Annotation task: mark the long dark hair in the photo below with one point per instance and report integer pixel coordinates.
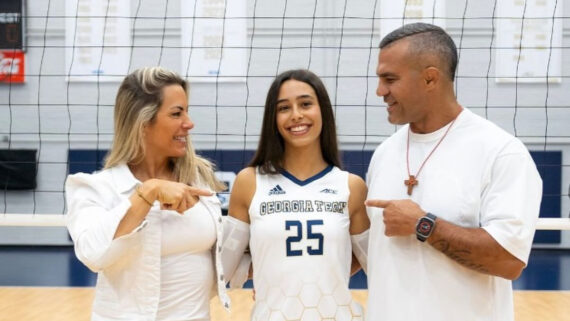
(269, 154)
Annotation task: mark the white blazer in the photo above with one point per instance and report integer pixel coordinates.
(128, 267)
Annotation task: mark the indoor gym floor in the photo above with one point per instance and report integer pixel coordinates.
(48, 283)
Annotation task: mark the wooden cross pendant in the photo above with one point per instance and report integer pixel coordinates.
(411, 182)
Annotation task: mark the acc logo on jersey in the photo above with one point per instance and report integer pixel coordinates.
(277, 190)
(329, 191)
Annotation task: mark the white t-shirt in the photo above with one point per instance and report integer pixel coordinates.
(479, 176)
(300, 247)
(187, 266)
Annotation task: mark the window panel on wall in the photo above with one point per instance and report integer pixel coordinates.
(98, 40)
(395, 13)
(214, 40)
(529, 41)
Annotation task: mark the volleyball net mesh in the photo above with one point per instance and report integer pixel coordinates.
(62, 62)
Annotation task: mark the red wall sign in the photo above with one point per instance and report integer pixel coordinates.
(11, 66)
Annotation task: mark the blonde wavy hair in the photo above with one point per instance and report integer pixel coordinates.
(137, 103)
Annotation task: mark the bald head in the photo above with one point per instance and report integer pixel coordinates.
(427, 43)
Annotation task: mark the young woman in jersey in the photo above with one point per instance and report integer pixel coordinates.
(148, 223)
(298, 209)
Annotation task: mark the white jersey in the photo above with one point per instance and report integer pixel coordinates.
(301, 249)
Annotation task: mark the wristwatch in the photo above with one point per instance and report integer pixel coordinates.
(425, 226)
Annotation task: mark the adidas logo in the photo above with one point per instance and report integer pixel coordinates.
(329, 191)
(277, 190)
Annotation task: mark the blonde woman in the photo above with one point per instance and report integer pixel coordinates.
(148, 223)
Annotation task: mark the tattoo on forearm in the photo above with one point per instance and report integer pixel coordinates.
(459, 256)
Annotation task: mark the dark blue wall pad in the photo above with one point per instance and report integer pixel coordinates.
(549, 164)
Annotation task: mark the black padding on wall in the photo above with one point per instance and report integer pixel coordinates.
(18, 169)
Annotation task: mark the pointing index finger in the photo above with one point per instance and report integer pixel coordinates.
(199, 192)
(376, 203)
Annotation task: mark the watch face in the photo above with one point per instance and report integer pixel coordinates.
(425, 226)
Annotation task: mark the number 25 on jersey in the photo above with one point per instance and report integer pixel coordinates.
(297, 226)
